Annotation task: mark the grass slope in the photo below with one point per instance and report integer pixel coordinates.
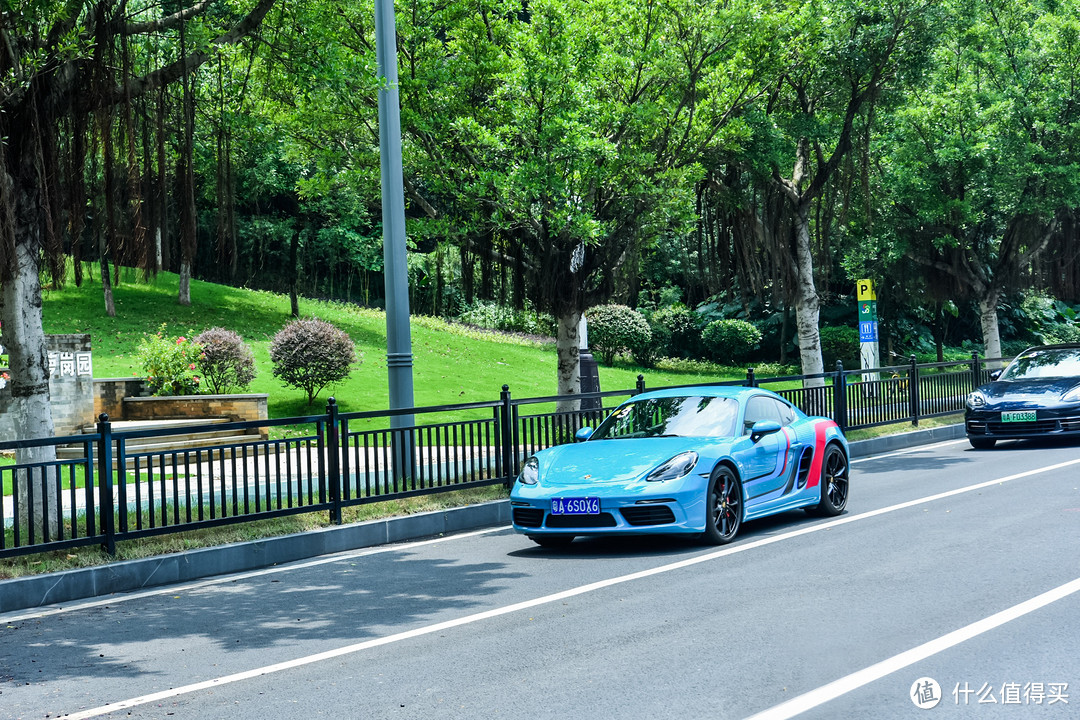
(451, 363)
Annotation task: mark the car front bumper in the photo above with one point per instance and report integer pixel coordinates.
(1054, 421)
(625, 509)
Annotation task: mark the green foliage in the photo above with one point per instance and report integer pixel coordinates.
(616, 328)
(170, 364)
(840, 342)
(681, 334)
(312, 354)
(729, 342)
(226, 361)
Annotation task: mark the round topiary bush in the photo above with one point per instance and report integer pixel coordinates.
(311, 354)
(729, 342)
(614, 329)
(226, 361)
(682, 333)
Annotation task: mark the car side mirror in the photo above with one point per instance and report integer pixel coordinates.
(762, 428)
(995, 375)
(583, 434)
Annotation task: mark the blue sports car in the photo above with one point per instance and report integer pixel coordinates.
(686, 460)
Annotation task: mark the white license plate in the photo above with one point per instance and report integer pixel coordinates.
(1018, 416)
(575, 506)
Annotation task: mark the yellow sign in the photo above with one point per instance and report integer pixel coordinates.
(866, 290)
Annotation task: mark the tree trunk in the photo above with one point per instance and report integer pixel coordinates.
(569, 369)
(294, 280)
(807, 303)
(991, 331)
(185, 282)
(30, 411)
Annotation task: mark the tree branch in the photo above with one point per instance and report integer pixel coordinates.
(137, 87)
(169, 22)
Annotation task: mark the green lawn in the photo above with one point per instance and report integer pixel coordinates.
(452, 364)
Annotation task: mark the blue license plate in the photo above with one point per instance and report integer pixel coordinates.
(575, 506)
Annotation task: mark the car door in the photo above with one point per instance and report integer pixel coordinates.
(762, 462)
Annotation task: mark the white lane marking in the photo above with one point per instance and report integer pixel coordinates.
(908, 451)
(298, 565)
(546, 599)
(833, 690)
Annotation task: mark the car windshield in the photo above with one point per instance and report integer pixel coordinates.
(1060, 362)
(687, 416)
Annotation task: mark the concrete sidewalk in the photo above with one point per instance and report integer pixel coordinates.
(126, 576)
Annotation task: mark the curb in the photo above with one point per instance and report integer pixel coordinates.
(888, 443)
(65, 586)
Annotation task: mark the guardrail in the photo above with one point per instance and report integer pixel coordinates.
(327, 462)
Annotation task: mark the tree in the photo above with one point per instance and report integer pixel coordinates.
(985, 160)
(574, 132)
(56, 72)
(845, 57)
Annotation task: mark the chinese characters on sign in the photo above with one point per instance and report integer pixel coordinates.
(1012, 693)
(70, 364)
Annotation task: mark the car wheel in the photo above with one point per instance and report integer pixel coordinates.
(982, 443)
(552, 541)
(834, 483)
(724, 507)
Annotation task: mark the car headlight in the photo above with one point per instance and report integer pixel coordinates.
(675, 468)
(1072, 396)
(976, 399)
(530, 472)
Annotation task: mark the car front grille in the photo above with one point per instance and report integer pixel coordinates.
(580, 521)
(528, 517)
(1023, 428)
(648, 515)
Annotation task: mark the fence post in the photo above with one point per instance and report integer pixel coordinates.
(751, 381)
(333, 473)
(976, 371)
(640, 385)
(105, 484)
(506, 435)
(840, 397)
(913, 385)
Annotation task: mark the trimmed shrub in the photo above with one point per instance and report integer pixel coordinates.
(682, 332)
(840, 342)
(616, 328)
(729, 342)
(226, 361)
(170, 364)
(311, 354)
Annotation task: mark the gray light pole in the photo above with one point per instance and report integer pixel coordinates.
(398, 336)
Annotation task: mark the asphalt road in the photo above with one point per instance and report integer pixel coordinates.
(950, 564)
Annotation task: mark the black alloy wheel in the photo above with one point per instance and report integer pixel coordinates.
(834, 483)
(724, 504)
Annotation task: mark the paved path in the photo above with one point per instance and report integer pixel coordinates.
(951, 564)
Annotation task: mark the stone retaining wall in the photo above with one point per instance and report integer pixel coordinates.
(109, 394)
(235, 407)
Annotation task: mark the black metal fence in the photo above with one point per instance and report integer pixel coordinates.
(120, 485)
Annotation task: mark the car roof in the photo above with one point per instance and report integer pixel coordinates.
(1058, 346)
(722, 391)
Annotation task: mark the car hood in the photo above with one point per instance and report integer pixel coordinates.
(1044, 390)
(610, 461)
